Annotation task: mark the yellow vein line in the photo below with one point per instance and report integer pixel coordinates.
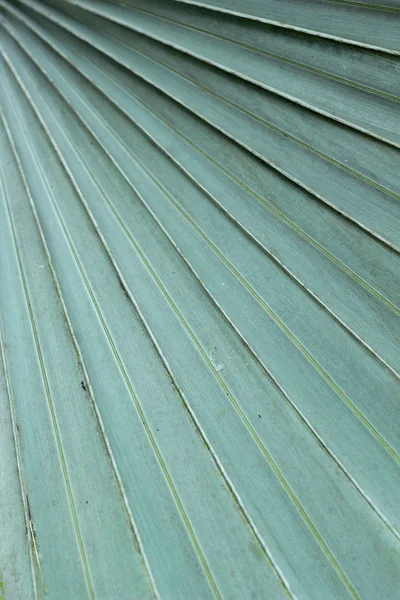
(361, 5)
(225, 316)
(251, 291)
(254, 294)
(33, 554)
(242, 110)
(244, 229)
(230, 485)
(228, 134)
(86, 377)
(271, 313)
(52, 410)
(160, 285)
(257, 82)
(304, 66)
(132, 393)
(224, 386)
(234, 402)
(285, 25)
(227, 172)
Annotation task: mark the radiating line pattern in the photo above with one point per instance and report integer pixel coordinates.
(200, 299)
